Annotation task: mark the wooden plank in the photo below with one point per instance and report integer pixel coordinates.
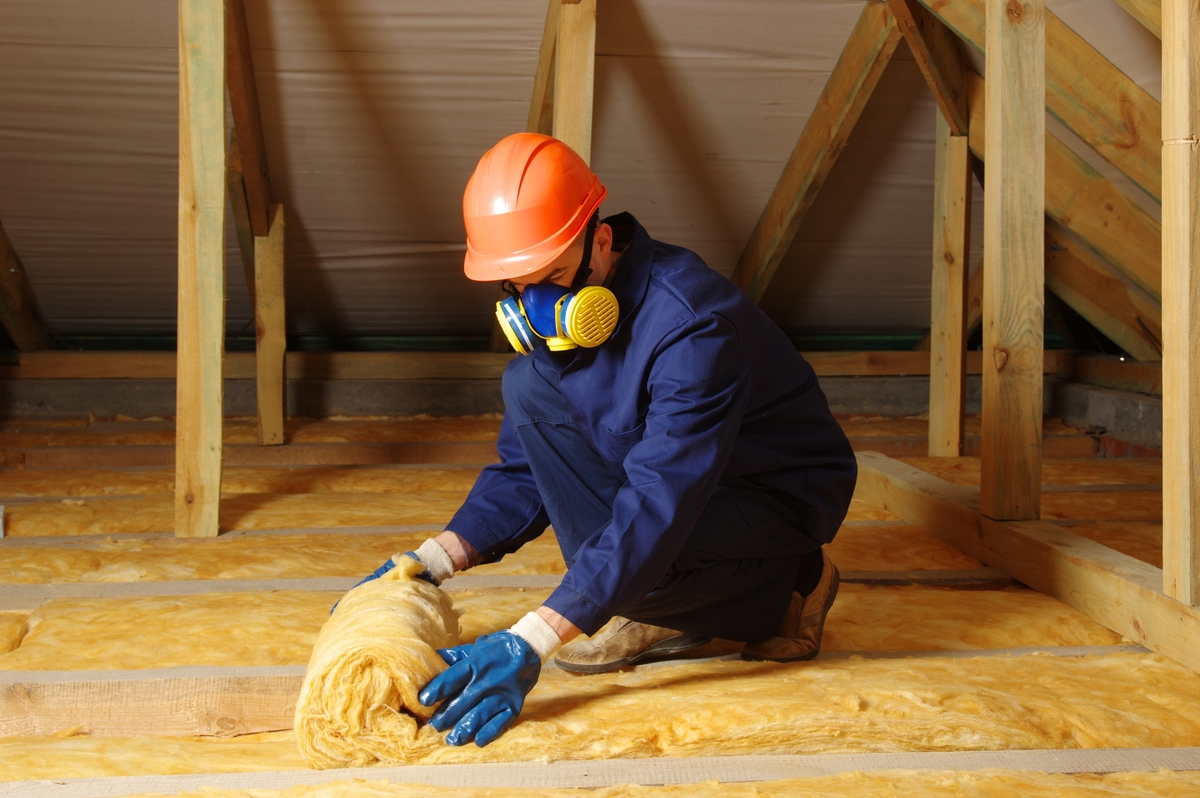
(247, 119)
(201, 322)
(270, 327)
(1077, 276)
(948, 330)
(1147, 12)
(574, 78)
(1181, 301)
(867, 53)
(1080, 199)
(235, 186)
(1112, 371)
(1114, 589)
(1085, 92)
(18, 312)
(167, 702)
(541, 105)
(1013, 260)
(935, 49)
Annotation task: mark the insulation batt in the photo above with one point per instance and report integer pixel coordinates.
(358, 702)
(882, 784)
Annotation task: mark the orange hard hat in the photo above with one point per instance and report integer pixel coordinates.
(528, 200)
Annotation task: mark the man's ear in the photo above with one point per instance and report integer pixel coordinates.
(603, 240)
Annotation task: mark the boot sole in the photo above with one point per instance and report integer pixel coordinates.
(833, 590)
(663, 649)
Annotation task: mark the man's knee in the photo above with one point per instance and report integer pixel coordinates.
(531, 396)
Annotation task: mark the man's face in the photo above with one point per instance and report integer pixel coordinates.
(560, 271)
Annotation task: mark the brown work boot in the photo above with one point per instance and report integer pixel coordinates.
(799, 635)
(624, 643)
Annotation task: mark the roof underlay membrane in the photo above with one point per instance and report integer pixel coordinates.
(375, 112)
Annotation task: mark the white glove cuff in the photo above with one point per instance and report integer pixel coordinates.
(540, 636)
(436, 560)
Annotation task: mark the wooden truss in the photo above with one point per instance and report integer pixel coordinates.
(18, 313)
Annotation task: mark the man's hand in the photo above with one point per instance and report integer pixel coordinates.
(484, 688)
(438, 565)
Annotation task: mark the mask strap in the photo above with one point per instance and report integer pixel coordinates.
(585, 269)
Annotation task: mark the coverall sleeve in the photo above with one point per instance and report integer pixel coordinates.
(698, 385)
(504, 508)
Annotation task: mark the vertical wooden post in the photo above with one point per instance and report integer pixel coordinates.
(270, 331)
(948, 330)
(1181, 300)
(1014, 259)
(574, 78)
(201, 347)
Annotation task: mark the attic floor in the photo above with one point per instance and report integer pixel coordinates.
(925, 651)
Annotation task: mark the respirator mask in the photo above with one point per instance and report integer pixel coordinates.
(564, 317)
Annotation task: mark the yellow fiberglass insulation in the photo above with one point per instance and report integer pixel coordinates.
(358, 702)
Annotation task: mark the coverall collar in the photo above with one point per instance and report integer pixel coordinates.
(633, 267)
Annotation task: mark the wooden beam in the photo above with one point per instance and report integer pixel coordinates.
(935, 49)
(1181, 301)
(1013, 260)
(1077, 276)
(867, 53)
(1111, 371)
(201, 322)
(948, 330)
(17, 311)
(247, 119)
(1147, 12)
(1085, 92)
(541, 105)
(1114, 589)
(235, 185)
(419, 365)
(270, 325)
(574, 79)
(1080, 199)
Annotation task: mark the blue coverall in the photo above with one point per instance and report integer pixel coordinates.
(688, 464)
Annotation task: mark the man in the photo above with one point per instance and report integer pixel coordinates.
(684, 454)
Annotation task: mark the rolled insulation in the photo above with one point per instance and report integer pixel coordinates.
(358, 703)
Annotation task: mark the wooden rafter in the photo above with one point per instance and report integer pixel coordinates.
(201, 347)
(1181, 302)
(867, 53)
(1085, 92)
(247, 120)
(17, 310)
(1081, 200)
(240, 208)
(935, 49)
(1147, 12)
(541, 105)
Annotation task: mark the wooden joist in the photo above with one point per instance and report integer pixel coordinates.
(17, 311)
(201, 339)
(1181, 301)
(867, 53)
(422, 365)
(948, 309)
(1084, 91)
(1111, 371)
(270, 332)
(1114, 589)
(1013, 260)
(935, 49)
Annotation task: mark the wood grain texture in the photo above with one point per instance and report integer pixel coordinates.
(18, 313)
(247, 119)
(178, 702)
(1013, 260)
(1080, 199)
(1181, 301)
(541, 105)
(574, 79)
(1147, 12)
(1085, 92)
(1114, 589)
(948, 317)
(270, 329)
(201, 336)
(935, 49)
(235, 186)
(867, 53)
(1113, 372)
(1079, 278)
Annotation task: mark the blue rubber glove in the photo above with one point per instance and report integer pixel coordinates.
(383, 569)
(484, 688)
